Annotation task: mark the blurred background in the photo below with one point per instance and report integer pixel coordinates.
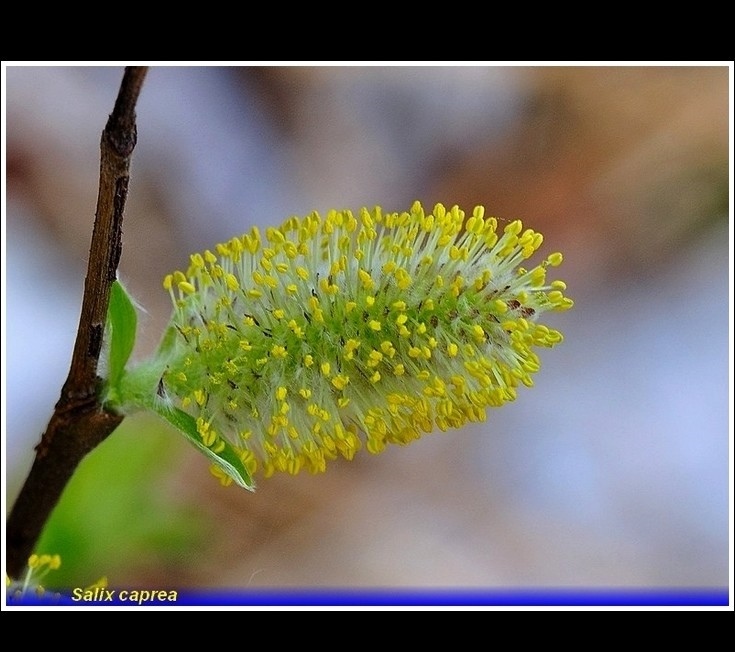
(611, 471)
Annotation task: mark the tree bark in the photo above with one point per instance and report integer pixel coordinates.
(79, 422)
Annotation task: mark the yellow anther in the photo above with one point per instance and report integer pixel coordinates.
(340, 381)
(278, 351)
(555, 259)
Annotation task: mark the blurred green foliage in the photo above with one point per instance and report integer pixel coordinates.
(119, 513)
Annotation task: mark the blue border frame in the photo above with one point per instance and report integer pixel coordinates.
(398, 597)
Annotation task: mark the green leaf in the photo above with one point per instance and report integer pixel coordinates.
(227, 459)
(122, 321)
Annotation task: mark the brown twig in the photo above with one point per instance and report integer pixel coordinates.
(79, 423)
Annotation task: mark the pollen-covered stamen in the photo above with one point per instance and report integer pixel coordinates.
(356, 329)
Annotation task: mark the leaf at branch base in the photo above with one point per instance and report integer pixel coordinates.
(122, 321)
